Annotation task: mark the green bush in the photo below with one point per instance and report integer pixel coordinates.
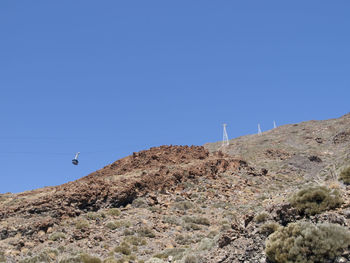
(305, 242)
(316, 199)
(345, 176)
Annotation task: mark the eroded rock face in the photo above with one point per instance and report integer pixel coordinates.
(159, 168)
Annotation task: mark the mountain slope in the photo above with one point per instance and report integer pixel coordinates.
(313, 148)
(179, 203)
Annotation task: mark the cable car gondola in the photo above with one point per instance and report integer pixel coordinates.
(75, 160)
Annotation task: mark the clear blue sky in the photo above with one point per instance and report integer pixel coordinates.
(108, 78)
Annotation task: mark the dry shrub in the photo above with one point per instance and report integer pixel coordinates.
(113, 212)
(57, 236)
(90, 259)
(81, 224)
(176, 253)
(94, 216)
(262, 217)
(316, 199)
(197, 220)
(124, 248)
(305, 242)
(184, 205)
(146, 232)
(136, 241)
(191, 259)
(269, 228)
(345, 176)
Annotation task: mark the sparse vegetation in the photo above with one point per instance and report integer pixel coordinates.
(113, 212)
(83, 258)
(136, 241)
(128, 232)
(2, 257)
(183, 239)
(345, 176)
(197, 220)
(225, 227)
(146, 232)
(57, 236)
(81, 224)
(94, 216)
(110, 260)
(176, 253)
(212, 234)
(118, 224)
(316, 199)
(140, 203)
(123, 248)
(184, 205)
(112, 225)
(191, 259)
(206, 244)
(171, 220)
(128, 258)
(155, 209)
(45, 256)
(305, 242)
(192, 226)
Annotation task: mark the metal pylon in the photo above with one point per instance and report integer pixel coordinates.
(225, 141)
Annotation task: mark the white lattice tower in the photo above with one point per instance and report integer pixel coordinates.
(259, 129)
(225, 141)
(274, 125)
